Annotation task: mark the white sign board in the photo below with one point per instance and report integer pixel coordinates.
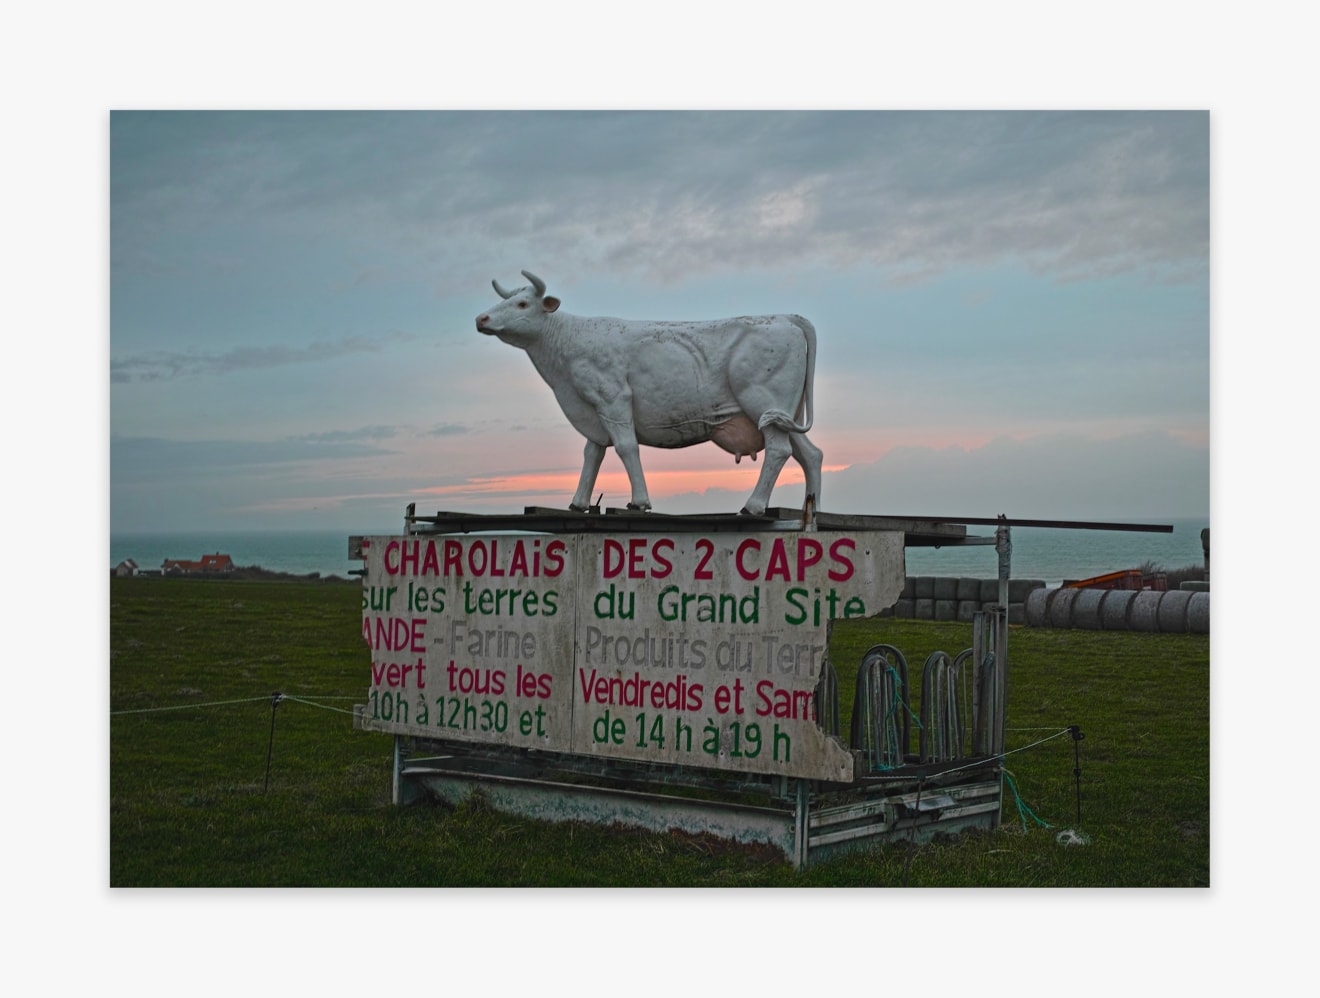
(685, 648)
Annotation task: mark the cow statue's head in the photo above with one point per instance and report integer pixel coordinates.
(520, 317)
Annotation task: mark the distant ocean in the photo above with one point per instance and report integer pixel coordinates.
(298, 552)
(1038, 553)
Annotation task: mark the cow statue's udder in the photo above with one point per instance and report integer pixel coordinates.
(740, 437)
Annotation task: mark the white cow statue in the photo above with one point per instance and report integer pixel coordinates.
(743, 383)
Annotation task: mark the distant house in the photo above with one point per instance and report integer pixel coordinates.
(209, 564)
(126, 567)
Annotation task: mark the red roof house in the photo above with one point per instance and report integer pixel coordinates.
(209, 563)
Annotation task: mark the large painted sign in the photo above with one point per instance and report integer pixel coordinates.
(689, 649)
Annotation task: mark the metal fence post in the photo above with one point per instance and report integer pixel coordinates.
(398, 769)
(801, 824)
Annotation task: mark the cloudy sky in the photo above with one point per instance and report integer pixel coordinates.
(1012, 307)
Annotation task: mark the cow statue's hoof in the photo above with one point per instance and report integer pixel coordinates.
(576, 508)
(639, 507)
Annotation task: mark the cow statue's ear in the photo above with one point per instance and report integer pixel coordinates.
(550, 303)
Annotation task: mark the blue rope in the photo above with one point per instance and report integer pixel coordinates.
(898, 685)
(890, 723)
(1023, 810)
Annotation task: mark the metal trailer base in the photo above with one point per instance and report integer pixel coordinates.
(805, 820)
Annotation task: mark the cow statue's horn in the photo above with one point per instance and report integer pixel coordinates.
(537, 283)
(500, 291)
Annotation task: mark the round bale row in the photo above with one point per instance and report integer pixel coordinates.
(944, 609)
(966, 590)
(1176, 611)
(929, 597)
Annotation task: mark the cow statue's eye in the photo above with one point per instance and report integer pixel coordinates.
(522, 304)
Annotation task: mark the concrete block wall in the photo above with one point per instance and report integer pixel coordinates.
(1177, 611)
(929, 597)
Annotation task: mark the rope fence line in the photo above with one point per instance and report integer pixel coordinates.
(189, 706)
(1023, 810)
(980, 761)
(1029, 729)
(309, 701)
(1073, 837)
(274, 699)
(1057, 734)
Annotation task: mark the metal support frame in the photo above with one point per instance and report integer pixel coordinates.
(801, 838)
(1004, 548)
(396, 791)
(806, 820)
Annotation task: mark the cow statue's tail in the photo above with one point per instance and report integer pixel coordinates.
(806, 408)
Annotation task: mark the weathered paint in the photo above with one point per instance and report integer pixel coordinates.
(471, 637)
(686, 649)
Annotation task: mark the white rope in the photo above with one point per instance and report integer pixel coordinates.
(982, 760)
(1028, 729)
(187, 706)
(313, 696)
(337, 710)
(222, 703)
(1051, 738)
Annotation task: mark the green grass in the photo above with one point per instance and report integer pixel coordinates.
(188, 806)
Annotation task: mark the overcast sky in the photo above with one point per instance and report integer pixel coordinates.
(1012, 307)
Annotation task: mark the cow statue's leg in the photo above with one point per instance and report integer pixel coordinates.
(767, 376)
(809, 456)
(625, 443)
(778, 446)
(592, 455)
(630, 455)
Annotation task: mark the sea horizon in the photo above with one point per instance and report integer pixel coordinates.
(1049, 554)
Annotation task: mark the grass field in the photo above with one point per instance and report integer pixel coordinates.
(194, 664)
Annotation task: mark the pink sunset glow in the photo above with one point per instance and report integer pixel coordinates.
(614, 483)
